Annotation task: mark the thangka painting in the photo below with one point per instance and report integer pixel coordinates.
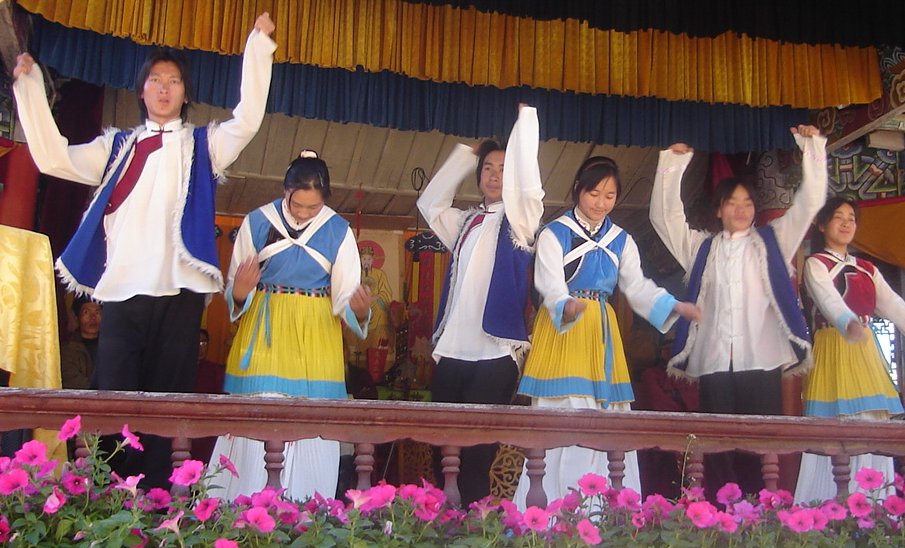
(866, 173)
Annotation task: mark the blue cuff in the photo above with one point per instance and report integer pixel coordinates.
(843, 320)
(231, 303)
(557, 317)
(661, 311)
(360, 329)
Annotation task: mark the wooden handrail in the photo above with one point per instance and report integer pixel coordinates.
(279, 419)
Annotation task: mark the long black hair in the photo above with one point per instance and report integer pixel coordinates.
(818, 239)
(165, 55)
(591, 172)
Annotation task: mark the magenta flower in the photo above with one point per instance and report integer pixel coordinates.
(657, 507)
(693, 494)
(381, 496)
(286, 512)
(187, 474)
(800, 521)
(4, 529)
(588, 532)
(571, 501)
(171, 524)
(702, 514)
(511, 516)
(74, 485)
(869, 479)
(819, 517)
(204, 509)
(225, 543)
(357, 498)
(260, 519)
(485, 506)
(409, 491)
(858, 505)
(228, 465)
(131, 440)
(833, 510)
(157, 499)
(428, 506)
(629, 499)
(898, 481)
(728, 494)
(54, 501)
(266, 497)
(129, 484)
(592, 484)
(13, 480)
(5, 462)
(536, 518)
(866, 523)
(772, 500)
(746, 511)
(638, 520)
(33, 453)
(895, 505)
(70, 428)
(727, 522)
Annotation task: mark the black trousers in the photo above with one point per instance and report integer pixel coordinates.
(484, 381)
(149, 344)
(741, 393)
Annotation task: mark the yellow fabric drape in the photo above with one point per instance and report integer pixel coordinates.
(448, 44)
(879, 224)
(29, 340)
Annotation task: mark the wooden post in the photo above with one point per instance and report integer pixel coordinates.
(536, 470)
(451, 463)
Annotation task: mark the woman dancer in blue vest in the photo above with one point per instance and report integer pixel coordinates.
(481, 329)
(851, 375)
(576, 359)
(295, 275)
(752, 328)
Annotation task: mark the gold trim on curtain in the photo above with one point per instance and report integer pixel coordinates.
(448, 44)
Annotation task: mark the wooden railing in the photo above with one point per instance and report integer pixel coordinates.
(451, 426)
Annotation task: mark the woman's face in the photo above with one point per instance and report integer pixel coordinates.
(839, 230)
(304, 204)
(491, 183)
(596, 204)
(737, 212)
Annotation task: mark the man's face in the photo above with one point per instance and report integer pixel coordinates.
(90, 320)
(164, 92)
(367, 261)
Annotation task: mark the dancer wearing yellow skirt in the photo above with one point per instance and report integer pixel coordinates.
(576, 359)
(850, 376)
(295, 276)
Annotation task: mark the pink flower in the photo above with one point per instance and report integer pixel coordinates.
(225, 543)
(74, 485)
(4, 463)
(130, 484)
(266, 497)
(629, 499)
(4, 529)
(228, 465)
(204, 509)
(172, 524)
(358, 498)
(484, 507)
(32, 452)
(131, 440)
(866, 523)
(858, 505)
(187, 474)
(657, 507)
(727, 522)
(638, 520)
(287, 512)
(772, 500)
(833, 510)
(899, 482)
(54, 501)
(869, 479)
(592, 484)
(693, 493)
(409, 491)
(70, 428)
(588, 532)
(260, 519)
(381, 496)
(12, 481)
(746, 511)
(512, 518)
(728, 494)
(536, 518)
(429, 504)
(46, 469)
(819, 517)
(895, 505)
(571, 501)
(702, 514)
(158, 499)
(800, 521)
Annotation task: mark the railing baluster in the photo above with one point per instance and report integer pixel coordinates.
(694, 469)
(81, 448)
(364, 464)
(769, 469)
(181, 452)
(273, 462)
(536, 470)
(616, 466)
(841, 473)
(451, 463)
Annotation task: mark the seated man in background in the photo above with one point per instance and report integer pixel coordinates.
(79, 353)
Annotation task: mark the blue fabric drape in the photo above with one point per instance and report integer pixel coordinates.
(391, 100)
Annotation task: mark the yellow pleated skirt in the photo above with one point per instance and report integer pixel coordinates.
(289, 344)
(574, 363)
(848, 378)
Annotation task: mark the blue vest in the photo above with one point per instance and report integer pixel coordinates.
(507, 296)
(783, 293)
(82, 263)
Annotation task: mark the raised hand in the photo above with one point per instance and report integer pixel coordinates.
(247, 277)
(265, 24)
(680, 148)
(24, 62)
(805, 131)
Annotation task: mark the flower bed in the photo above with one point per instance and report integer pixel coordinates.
(88, 505)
